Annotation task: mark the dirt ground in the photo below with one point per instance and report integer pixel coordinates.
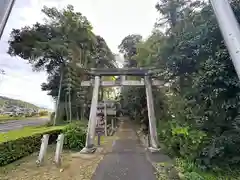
(74, 166)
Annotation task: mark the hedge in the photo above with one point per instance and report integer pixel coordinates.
(13, 150)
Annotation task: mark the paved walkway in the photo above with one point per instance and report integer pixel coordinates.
(128, 159)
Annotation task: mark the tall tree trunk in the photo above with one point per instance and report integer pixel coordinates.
(77, 115)
(82, 112)
(70, 106)
(59, 95)
(66, 107)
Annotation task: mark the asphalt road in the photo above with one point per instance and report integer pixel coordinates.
(18, 124)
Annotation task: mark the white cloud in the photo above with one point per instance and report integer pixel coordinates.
(113, 20)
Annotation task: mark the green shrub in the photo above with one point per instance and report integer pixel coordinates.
(191, 171)
(222, 151)
(75, 136)
(15, 149)
(182, 140)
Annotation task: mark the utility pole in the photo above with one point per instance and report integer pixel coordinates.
(230, 30)
(5, 10)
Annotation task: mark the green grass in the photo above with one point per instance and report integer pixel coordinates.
(5, 118)
(26, 131)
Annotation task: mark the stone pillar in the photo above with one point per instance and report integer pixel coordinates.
(89, 146)
(43, 149)
(151, 114)
(59, 148)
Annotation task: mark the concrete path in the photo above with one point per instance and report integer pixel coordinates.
(128, 159)
(18, 124)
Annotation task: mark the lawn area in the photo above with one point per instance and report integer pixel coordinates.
(4, 118)
(26, 131)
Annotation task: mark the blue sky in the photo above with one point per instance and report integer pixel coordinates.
(111, 19)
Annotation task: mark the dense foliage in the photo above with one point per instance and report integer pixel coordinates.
(199, 117)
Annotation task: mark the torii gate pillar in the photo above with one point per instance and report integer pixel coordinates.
(89, 146)
(151, 115)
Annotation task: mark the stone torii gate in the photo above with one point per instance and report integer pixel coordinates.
(96, 82)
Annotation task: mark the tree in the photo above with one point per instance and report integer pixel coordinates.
(129, 49)
(63, 41)
(50, 44)
(173, 11)
(104, 56)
